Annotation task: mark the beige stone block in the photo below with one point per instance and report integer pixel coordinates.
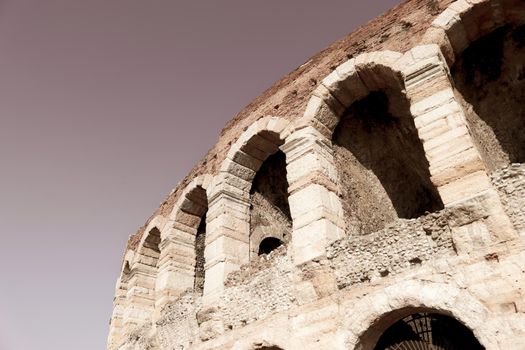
(318, 111)
(434, 129)
(309, 242)
(456, 167)
(470, 237)
(464, 188)
(436, 113)
(309, 198)
(446, 138)
(311, 163)
(447, 150)
(376, 69)
(231, 167)
(432, 102)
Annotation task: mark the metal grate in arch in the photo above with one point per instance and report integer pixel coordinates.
(428, 331)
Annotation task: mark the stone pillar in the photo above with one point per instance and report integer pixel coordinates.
(455, 164)
(314, 205)
(140, 295)
(176, 263)
(227, 233)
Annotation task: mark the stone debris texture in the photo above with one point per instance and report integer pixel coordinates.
(380, 182)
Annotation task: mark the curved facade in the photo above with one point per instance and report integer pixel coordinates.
(372, 199)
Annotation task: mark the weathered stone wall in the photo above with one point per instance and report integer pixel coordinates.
(178, 327)
(510, 182)
(401, 245)
(351, 165)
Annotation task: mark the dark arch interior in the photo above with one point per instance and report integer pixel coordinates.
(269, 209)
(428, 331)
(269, 244)
(383, 168)
(126, 272)
(196, 204)
(490, 76)
(151, 246)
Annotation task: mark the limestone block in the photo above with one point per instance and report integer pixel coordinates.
(435, 35)
(456, 167)
(376, 69)
(312, 197)
(318, 214)
(426, 105)
(229, 166)
(189, 220)
(318, 110)
(463, 188)
(447, 150)
(308, 164)
(177, 281)
(216, 275)
(446, 138)
(345, 84)
(246, 160)
(440, 112)
(310, 241)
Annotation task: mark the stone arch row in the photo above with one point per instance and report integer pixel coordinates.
(422, 74)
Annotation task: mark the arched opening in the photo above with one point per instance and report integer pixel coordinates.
(151, 251)
(430, 331)
(269, 244)
(269, 208)
(384, 173)
(490, 78)
(194, 208)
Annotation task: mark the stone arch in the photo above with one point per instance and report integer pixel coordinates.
(181, 264)
(362, 108)
(465, 21)
(373, 314)
(486, 50)
(141, 293)
(259, 235)
(227, 244)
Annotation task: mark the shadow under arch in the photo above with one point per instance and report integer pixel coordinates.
(383, 169)
(414, 328)
(378, 310)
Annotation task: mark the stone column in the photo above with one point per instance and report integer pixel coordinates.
(455, 164)
(314, 205)
(140, 295)
(176, 263)
(227, 233)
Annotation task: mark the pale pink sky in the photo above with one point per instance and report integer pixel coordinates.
(104, 106)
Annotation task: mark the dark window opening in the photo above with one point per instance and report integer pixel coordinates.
(269, 244)
(428, 331)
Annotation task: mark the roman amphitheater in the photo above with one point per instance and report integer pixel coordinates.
(374, 198)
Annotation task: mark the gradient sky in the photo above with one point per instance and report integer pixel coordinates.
(105, 105)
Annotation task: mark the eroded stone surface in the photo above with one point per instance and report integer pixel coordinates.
(395, 182)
